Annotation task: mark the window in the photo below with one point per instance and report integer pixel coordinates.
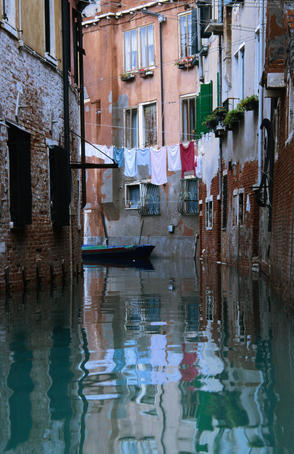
(188, 108)
(143, 197)
(8, 10)
(239, 75)
(150, 204)
(209, 213)
(132, 196)
(49, 28)
(149, 125)
(209, 305)
(238, 207)
(290, 106)
(257, 61)
(188, 202)
(20, 190)
(147, 46)
(139, 48)
(140, 126)
(131, 128)
(60, 186)
(225, 200)
(185, 34)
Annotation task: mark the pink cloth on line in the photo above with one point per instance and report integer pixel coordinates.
(158, 166)
(187, 158)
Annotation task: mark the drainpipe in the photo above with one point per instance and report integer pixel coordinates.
(161, 19)
(201, 77)
(82, 112)
(220, 85)
(65, 74)
(66, 68)
(260, 91)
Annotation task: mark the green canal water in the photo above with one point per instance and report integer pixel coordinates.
(174, 359)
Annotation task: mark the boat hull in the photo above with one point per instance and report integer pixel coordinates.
(100, 252)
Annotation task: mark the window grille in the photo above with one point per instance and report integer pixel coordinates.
(150, 202)
(188, 202)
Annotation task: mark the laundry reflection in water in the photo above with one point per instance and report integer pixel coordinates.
(175, 360)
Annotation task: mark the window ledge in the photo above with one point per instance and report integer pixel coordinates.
(9, 28)
(217, 28)
(51, 59)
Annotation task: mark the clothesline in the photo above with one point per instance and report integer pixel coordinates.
(180, 157)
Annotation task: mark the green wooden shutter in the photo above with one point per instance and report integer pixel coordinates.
(203, 108)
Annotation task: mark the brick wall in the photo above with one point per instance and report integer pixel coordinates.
(38, 251)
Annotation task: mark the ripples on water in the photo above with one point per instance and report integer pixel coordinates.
(177, 360)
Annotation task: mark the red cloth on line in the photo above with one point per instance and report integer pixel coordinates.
(187, 158)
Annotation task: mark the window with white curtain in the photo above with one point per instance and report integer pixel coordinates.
(185, 34)
(139, 48)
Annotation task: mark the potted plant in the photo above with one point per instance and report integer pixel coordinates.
(144, 72)
(127, 76)
(233, 118)
(249, 103)
(187, 62)
(220, 113)
(211, 121)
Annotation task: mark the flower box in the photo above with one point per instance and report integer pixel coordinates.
(187, 62)
(233, 118)
(144, 73)
(249, 103)
(127, 77)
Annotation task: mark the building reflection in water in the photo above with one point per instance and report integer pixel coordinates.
(163, 361)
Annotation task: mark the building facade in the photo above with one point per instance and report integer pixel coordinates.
(40, 226)
(141, 77)
(216, 73)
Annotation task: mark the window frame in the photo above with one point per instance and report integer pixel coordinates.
(49, 31)
(141, 128)
(189, 135)
(9, 17)
(185, 201)
(142, 201)
(131, 110)
(139, 63)
(149, 64)
(186, 53)
(127, 199)
(238, 221)
(239, 72)
(209, 213)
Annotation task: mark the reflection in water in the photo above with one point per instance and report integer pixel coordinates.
(19, 380)
(148, 361)
(61, 376)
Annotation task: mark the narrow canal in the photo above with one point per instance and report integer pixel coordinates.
(174, 359)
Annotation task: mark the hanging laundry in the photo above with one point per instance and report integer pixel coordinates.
(118, 156)
(187, 158)
(130, 162)
(108, 159)
(143, 158)
(199, 166)
(174, 158)
(158, 166)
